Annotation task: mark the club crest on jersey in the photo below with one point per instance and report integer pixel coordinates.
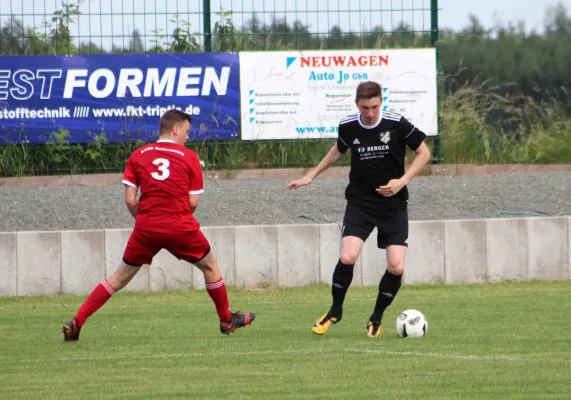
(385, 137)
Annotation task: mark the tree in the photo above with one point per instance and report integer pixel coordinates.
(12, 37)
(136, 45)
(557, 22)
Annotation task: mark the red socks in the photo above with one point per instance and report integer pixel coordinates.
(104, 291)
(219, 295)
(94, 302)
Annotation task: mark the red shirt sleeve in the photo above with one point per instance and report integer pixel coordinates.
(196, 181)
(129, 176)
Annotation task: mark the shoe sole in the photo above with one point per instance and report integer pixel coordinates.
(228, 333)
(315, 325)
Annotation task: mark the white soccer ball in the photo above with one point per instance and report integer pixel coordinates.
(412, 324)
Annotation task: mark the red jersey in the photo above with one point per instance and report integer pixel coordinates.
(166, 174)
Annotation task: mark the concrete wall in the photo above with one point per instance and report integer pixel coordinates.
(466, 251)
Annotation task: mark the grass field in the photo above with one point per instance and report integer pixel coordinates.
(491, 341)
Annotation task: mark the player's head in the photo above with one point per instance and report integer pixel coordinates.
(175, 125)
(368, 100)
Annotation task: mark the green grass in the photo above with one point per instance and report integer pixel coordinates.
(490, 341)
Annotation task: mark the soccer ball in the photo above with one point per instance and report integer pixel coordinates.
(412, 324)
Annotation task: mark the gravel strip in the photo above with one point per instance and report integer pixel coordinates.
(266, 201)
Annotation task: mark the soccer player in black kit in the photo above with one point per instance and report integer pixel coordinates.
(376, 196)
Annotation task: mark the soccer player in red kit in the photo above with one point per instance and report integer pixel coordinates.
(169, 176)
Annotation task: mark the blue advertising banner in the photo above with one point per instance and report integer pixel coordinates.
(118, 97)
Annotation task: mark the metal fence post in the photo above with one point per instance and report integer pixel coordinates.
(434, 43)
(206, 14)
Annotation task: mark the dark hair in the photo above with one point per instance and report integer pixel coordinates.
(368, 90)
(171, 118)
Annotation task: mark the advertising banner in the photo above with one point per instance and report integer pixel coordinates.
(302, 95)
(117, 97)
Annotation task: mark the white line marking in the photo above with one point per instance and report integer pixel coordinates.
(437, 355)
(82, 357)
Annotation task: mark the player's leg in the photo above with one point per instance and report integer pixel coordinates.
(393, 236)
(351, 247)
(215, 285)
(194, 248)
(216, 289)
(357, 227)
(139, 251)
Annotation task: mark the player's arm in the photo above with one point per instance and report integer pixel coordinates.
(196, 182)
(131, 199)
(414, 139)
(131, 182)
(194, 198)
(337, 151)
(422, 156)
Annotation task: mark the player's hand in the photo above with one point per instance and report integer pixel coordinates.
(306, 180)
(390, 189)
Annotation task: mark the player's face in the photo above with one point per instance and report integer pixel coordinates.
(370, 110)
(181, 132)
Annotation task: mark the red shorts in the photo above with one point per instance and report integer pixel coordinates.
(144, 245)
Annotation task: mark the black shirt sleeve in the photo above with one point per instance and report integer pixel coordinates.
(413, 136)
(342, 139)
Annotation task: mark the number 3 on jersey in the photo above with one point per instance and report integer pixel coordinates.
(164, 172)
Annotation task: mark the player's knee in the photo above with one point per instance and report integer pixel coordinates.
(208, 263)
(122, 276)
(348, 258)
(396, 267)
(208, 267)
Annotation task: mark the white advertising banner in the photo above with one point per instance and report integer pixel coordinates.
(303, 95)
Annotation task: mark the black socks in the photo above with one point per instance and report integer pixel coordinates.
(342, 277)
(388, 289)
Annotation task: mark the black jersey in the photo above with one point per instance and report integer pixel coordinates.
(377, 156)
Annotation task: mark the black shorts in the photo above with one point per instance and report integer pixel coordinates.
(390, 230)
